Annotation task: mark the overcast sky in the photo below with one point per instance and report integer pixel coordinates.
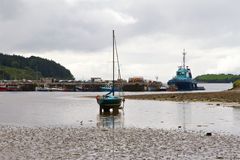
(151, 35)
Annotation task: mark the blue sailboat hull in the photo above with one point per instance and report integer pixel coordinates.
(109, 101)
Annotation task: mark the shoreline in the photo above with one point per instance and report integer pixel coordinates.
(99, 143)
(231, 97)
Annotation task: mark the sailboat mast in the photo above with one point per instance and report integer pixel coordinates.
(113, 62)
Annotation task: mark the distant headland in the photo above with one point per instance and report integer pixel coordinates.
(18, 67)
(217, 78)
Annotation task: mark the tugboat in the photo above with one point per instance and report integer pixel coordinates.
(183, 80)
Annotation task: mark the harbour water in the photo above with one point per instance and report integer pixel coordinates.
(76, 109)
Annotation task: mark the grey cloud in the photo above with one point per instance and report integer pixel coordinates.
(205, 21)
(9, 10)
(56, 25)
(83, 25)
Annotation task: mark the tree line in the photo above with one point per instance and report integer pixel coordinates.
(217, 78)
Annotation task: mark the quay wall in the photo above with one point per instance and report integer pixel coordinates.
(81, 86)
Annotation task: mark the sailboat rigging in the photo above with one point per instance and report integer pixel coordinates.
(110, 100)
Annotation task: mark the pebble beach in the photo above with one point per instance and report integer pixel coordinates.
(101, 143)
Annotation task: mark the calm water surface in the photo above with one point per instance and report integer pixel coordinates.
(63, 108)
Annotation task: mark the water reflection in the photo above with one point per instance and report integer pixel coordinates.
(236, 117)
(110, 120)
(58, 108)
(184, 115)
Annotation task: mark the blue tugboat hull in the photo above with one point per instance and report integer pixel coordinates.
(183, 85)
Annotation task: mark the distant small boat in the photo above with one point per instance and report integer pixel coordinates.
(108, 88)
(163, 88)
(41, 89)
(105, 89)
(110, 100)
(9, 87)
(3, 87)
(46, 89)
(154, 86)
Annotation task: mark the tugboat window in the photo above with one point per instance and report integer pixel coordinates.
(179, 73)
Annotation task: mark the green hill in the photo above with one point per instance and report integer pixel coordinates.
(19, 67)
(217, 78)
(236, 84)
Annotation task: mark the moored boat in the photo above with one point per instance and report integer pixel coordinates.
(9, 87)
(107, 101)
(110, 100)
(50, 89)
(3, 87)
(183, 80)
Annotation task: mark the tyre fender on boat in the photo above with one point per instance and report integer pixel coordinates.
(97, 97)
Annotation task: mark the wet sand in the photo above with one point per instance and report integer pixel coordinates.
(224, 96)
(93, 143)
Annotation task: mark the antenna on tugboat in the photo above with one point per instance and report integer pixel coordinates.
(184, 60)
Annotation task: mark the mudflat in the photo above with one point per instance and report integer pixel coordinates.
(232, 96)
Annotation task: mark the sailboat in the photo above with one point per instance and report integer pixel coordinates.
(110, 100)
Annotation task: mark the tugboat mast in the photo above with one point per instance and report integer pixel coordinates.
(184, 60)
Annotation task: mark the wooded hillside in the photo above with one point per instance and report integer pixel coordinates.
(19, 67)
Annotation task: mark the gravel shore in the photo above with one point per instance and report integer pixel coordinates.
(93, 143)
